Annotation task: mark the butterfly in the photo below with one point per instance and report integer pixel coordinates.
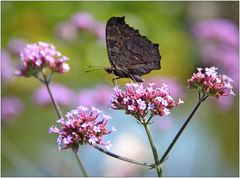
(130, 54)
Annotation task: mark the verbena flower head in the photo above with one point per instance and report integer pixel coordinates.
(82, 126)
(138, 100)
(40, 55)
(209, 82)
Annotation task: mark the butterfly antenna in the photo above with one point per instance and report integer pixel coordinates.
(90, 66)
(92, 70)
(96, 68)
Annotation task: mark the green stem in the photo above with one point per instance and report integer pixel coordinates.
(122, 158)
(47, 82)
(154, 150)
(80, 164)
(181, 130)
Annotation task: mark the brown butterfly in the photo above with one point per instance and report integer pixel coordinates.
(130, 54)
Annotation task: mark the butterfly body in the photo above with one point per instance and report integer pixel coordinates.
(123, 73)
(130, 54)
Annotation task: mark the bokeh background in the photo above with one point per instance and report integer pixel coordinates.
(190, 35)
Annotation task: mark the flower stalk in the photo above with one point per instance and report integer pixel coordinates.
(47, 82)
(56, 107)
(201, 99)
(80, 164)
(154, 150)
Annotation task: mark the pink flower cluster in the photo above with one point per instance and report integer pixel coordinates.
(39, 55)
(209, 82)
(81, 127)
(138, 100)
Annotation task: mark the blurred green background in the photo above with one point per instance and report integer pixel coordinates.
(208, 147)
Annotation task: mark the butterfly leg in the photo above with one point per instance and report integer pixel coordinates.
(114, 80)
(135, 78)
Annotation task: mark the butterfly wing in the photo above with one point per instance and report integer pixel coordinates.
(128, 50)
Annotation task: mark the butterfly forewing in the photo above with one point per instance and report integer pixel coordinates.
(128, 50)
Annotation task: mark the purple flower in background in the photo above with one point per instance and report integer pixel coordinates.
(67, 31)
(11, 107)
(218, 43)
(225, 103)
(164, 123)
(16, 45)
(62, 94)
(78, 22)
(83, 21)
(174, 85)
(7, 69)
(99, 31)
(99, 96)
(219, 30)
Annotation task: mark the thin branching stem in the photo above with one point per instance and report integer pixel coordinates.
(149, 118)
(122, 158)
(201, 99)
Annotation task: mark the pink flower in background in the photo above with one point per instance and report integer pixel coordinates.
(99, 31)
(39, 55)
(98, 96)
(82, 126)
(219, 30)
(209, 82)
(225, 103)
(7, 69)
(83, 20)
(62, 94)
(67, 31)
(138, 100)
(174, 85)
(164, 123)
(10, 107)
(218, 43)
(16, 45)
